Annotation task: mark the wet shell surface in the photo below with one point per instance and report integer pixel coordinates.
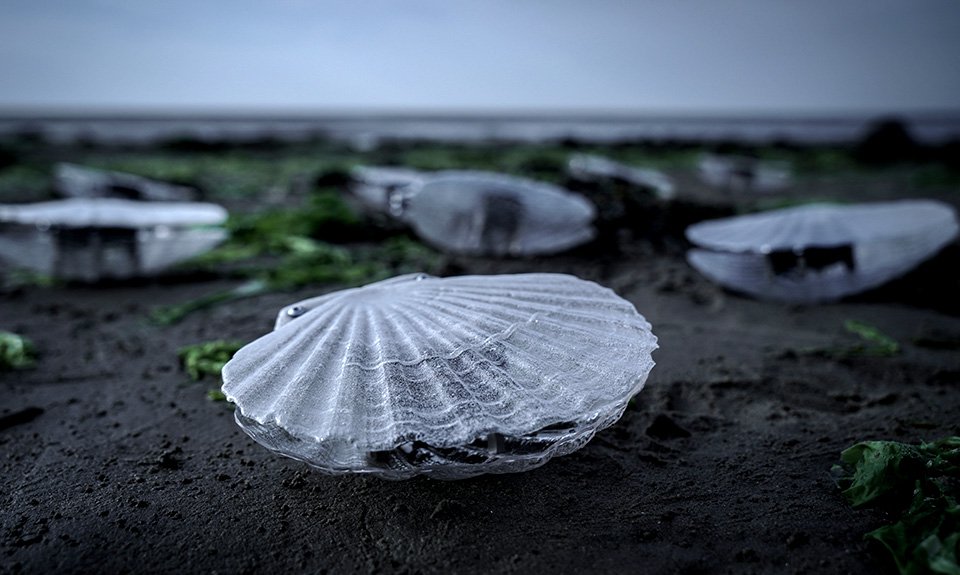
(484, 213)
(820, 252)
(447, 377)
(94, 239)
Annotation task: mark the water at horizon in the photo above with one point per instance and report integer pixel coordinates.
(367, 131)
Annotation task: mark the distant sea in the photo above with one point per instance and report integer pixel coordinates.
(368, 130)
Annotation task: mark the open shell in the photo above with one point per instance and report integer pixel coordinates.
(820, 252)
(448, 377)
(93, 239)
(483, 213)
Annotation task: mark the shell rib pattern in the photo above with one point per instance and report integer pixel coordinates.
(449, 377)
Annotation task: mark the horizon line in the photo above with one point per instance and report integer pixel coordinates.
(128, 112)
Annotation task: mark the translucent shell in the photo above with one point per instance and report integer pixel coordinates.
(483, 213)
(93, 239)
(381, 189)
(597, 168)
(447, 377)
(73, 181)
(820, 252)
(744, 173)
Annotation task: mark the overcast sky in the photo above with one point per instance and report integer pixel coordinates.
(435, 55)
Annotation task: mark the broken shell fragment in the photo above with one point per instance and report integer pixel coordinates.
(101, 238)
(820, 252)
(446, 377)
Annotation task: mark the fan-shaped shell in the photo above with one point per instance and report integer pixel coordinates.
(820, 252)
(450, 377)
(483, 213)
(92, 239)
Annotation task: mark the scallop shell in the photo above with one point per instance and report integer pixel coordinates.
(93, 239)
(381, 189)
(74, 181)
(597, 168)
(820, 252)
(744, 173)
(483, 213)
(446, 377)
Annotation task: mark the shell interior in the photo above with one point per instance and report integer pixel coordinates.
(450, 377)
(820, 252)
(94, 239)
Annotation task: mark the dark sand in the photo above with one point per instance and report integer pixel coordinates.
(112, 461)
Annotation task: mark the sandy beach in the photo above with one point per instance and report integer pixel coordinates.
(113, 460)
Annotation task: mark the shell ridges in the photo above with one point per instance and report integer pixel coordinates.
(370, 370)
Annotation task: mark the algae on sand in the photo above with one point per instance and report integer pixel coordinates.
(16, 351)
(920, 485)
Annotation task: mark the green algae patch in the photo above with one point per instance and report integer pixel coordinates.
(918, 485)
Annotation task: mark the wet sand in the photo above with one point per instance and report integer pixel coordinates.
(112, 460)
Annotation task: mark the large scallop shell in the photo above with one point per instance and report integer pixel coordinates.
(484, 213)
(820, 252)
(93, 239)
(447, 377)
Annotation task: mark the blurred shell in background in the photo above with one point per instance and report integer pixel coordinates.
(73, 181)
(448, 377)
(93, 239)
(380, 188)
(484, 213)
(591, 168)
(820, 252)
(744, 173)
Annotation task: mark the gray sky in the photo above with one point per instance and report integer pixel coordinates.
(435, 55)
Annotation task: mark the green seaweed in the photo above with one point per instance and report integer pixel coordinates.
(876, 343)
(214, 394)
(207, 358)
(919, 485)
(310, 262)
(16, 351)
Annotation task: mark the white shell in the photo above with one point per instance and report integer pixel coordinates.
(483, 213)
(744, 173)
(93, 239)
(74, 181)
(820, 252)
(448, 377)
(381, 189)
(592, 168)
